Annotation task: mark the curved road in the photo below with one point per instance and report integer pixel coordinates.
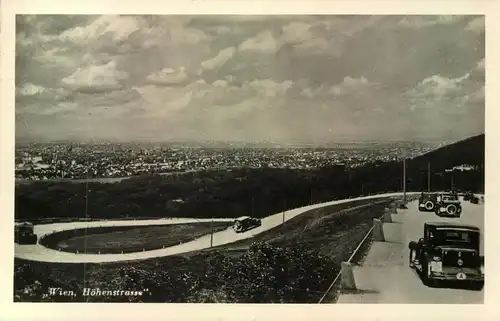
(43, 254)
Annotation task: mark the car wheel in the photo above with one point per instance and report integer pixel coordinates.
(411, 258)
(478, 285)
(451, 209)
(429, 205)
(426, 273)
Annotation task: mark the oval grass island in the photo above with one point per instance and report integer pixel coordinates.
(128, 239)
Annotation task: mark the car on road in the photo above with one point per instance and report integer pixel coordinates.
(448, 251)
(23, 233)
(427, 202)
(245, 223)
(468, 196)
(448, 204)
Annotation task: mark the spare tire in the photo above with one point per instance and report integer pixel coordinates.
(429, 205)
(451, 209)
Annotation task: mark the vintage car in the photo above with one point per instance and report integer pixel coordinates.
(23, 233)
(468, 196)
(427, 202)
(245, 223)
(448, 204)
(475, 199)
(450, 252)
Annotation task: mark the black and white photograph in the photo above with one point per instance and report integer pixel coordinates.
(270, 159)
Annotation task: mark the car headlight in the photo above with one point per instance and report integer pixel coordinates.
(482, 269)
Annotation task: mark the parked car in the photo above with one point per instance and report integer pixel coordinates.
(245, 223)
(448, 251)
(23, 233)
(427, 202)
(448, 204)
(475, 199)
(468, 196)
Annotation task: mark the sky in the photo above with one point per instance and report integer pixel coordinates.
(249, 78)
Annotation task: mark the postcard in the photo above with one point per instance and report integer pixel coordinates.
(255, 157)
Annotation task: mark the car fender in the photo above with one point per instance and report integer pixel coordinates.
(413, 245)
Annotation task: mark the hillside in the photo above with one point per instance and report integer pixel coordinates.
(470, 151)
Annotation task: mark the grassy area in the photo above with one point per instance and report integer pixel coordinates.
(136, 238)
(321, 227)
(301, 262)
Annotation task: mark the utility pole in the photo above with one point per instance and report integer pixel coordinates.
(253, 206)
(404, 182)
(428, 176)
(212, 232)
(482, 178)
(284, 210)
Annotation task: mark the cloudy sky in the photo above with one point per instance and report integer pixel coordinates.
(278, 78)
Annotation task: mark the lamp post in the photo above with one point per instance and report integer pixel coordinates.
(403, 206)
(428, 176)
(212, 232)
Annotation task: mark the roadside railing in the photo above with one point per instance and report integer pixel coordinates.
(382, 218)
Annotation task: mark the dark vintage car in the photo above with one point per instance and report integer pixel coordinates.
(427, 202)
(23, 233)
(450, 252)
(448, 204)
(245, 223)
(468, 196)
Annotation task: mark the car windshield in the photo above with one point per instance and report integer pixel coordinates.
(449, 198)
(454, 236)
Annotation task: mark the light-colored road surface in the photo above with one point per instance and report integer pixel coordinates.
(40, 253)
(385, 277)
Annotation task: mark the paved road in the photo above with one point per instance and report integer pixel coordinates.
(385, 276)
(40, 253)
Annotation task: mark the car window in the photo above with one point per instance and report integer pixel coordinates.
(449, 237)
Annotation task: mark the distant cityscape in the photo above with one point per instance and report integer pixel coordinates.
(49, 161)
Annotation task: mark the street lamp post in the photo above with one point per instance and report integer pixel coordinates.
(403, 206)
(212, 232)
(429, 177)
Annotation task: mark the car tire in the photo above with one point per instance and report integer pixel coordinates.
(451, 209)
(477, 286)
(425, 274)
(410, 259)
(429, 205)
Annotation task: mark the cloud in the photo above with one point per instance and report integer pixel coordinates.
(317, 46)
(162, 101)
(270, 88)
(350, 86)
(438, 87)
(60, 108)
(168, 76)
(29, 89)
(419, 22)
(34, 98)
(296, 32)
(264, 42)
(115, 27)
(249, 77)
(96, 78)
(220, 83)
(218, 61)
(476, 25)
